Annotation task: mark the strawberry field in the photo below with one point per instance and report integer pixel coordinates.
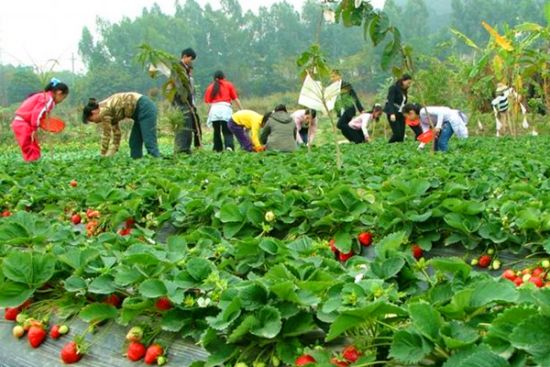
(272, 260)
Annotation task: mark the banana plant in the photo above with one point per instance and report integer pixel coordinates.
(513, 58)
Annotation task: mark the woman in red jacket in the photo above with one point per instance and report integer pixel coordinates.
(28, 116)
(219, 95)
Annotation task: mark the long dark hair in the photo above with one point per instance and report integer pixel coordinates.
(218, 75)
(88, 109)
(400, 81)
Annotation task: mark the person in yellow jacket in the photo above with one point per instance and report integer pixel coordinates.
(243, 122)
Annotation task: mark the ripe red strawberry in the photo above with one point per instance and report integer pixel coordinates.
(345, 257)
(136, 351)
(537, 272)
(153, 352)
(536, 281)
(518, 281)
(73, 183)
(332, 244)
(70, 353)
(484, 261)
(113, 300)
(36, 336)
(11, 313)
(509, 274)
(304, 359)
(54, 332)
(125, 231)
(417, 252)
(6, 213)
(338, 363)
(76, 219)
(365, 239)
(163, 304)
(351, 354)
(130, 222)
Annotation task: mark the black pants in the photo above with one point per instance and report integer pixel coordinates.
(343, 123)
(398, 129)
(197, 133)
(355, 136)
(220, 127)
(188, 129)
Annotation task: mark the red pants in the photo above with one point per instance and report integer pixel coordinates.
(27, 139)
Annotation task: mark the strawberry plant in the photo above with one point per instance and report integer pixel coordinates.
(292, 260)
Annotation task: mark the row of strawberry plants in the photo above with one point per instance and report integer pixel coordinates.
(266, 301)
(252, 276)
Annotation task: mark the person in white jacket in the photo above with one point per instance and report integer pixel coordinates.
(444, 120)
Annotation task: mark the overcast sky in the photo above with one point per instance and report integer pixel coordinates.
(32, 32)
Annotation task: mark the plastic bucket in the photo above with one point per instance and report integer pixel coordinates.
(426, 137)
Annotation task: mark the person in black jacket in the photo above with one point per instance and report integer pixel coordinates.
(191, 125)
(347, 105)
(397, 99)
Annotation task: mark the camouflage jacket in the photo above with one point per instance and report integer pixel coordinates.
(112, 110)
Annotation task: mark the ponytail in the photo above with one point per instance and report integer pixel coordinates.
(218, 75)
(88, 109)
(56, 85)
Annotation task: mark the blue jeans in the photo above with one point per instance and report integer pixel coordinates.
(304, 135)
(442, 142)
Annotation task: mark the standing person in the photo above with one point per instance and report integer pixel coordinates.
(279, 131)
(306, 126)
(190, 122)
(357, 128)
(27, 117)
(397, 99)
(245, 121)
(347, 104)
(118, 107)
(447, 122)
(219, 95)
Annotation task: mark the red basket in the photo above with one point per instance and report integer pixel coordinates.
(52, 124)
(426, 137)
